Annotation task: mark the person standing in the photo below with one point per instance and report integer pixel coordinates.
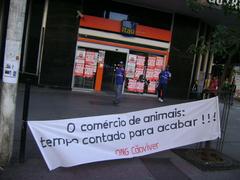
(119, 79)
(232, 90)
(163, 79)
(213, 87)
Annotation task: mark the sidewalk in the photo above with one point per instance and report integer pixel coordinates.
(53, 104)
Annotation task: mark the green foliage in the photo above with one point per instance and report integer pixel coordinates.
(227, 6)
(229, 9)
(194, 5)
(200, 48)
(225, 40)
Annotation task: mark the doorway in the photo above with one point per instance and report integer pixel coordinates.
(111, 60)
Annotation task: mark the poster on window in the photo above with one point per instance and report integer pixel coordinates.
(101, 56)
(96, 56)
(159, 61)
(156, 73)
(151, 61)
(140, 61)
(80, 56)
(89, 71)
(78, 70)
(132, 85)
(152, 87)
(130, 71)
(138, 72)
(90, 58)
(131, 64)
(150, 74)
(140, 87)
(132, 59)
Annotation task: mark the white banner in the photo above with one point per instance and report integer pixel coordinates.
(69, 142)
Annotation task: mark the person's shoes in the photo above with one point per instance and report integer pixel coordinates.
(160, 99)
(115, 102)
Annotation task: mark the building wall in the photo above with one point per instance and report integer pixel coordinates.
(141, 15)
(60, 43)
(184, 34)
(61, 36)
(33, 33)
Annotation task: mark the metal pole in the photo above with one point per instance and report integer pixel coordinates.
(224, 128)
(26, 39)
(1, 21)
(194, 62)
(24, 123)
(41, 42)
(12, 56)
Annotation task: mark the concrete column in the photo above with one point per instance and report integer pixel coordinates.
(209, 71)
(205, 62)
(10, 77)
(200, 57)
(199, 62)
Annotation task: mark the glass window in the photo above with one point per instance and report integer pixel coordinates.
(118, 16)
(142, 72)
(85, 68)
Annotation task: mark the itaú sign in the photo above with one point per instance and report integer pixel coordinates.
(128, 28)
(233, 3)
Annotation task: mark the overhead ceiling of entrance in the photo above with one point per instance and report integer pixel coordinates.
(211, 16)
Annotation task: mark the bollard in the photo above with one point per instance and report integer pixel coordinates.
(24, 121)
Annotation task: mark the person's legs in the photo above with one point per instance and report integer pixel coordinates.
(231, 98)
(163, 91)
(160, 93)
(118, 93)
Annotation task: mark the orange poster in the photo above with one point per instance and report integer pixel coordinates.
(132, 85)
(140, 87)
(138, 72)
(90, 58)
(150, 74)
(78, 70)
(89, 71)
(152, 87)
(156, 73)
(140, 61)
(160, 61)
(151, 61)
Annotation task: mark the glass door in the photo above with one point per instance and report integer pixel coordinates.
(94, 65)
(112, 58)
(85, 68)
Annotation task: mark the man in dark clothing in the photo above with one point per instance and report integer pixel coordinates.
(119, 79)
(163, 79)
